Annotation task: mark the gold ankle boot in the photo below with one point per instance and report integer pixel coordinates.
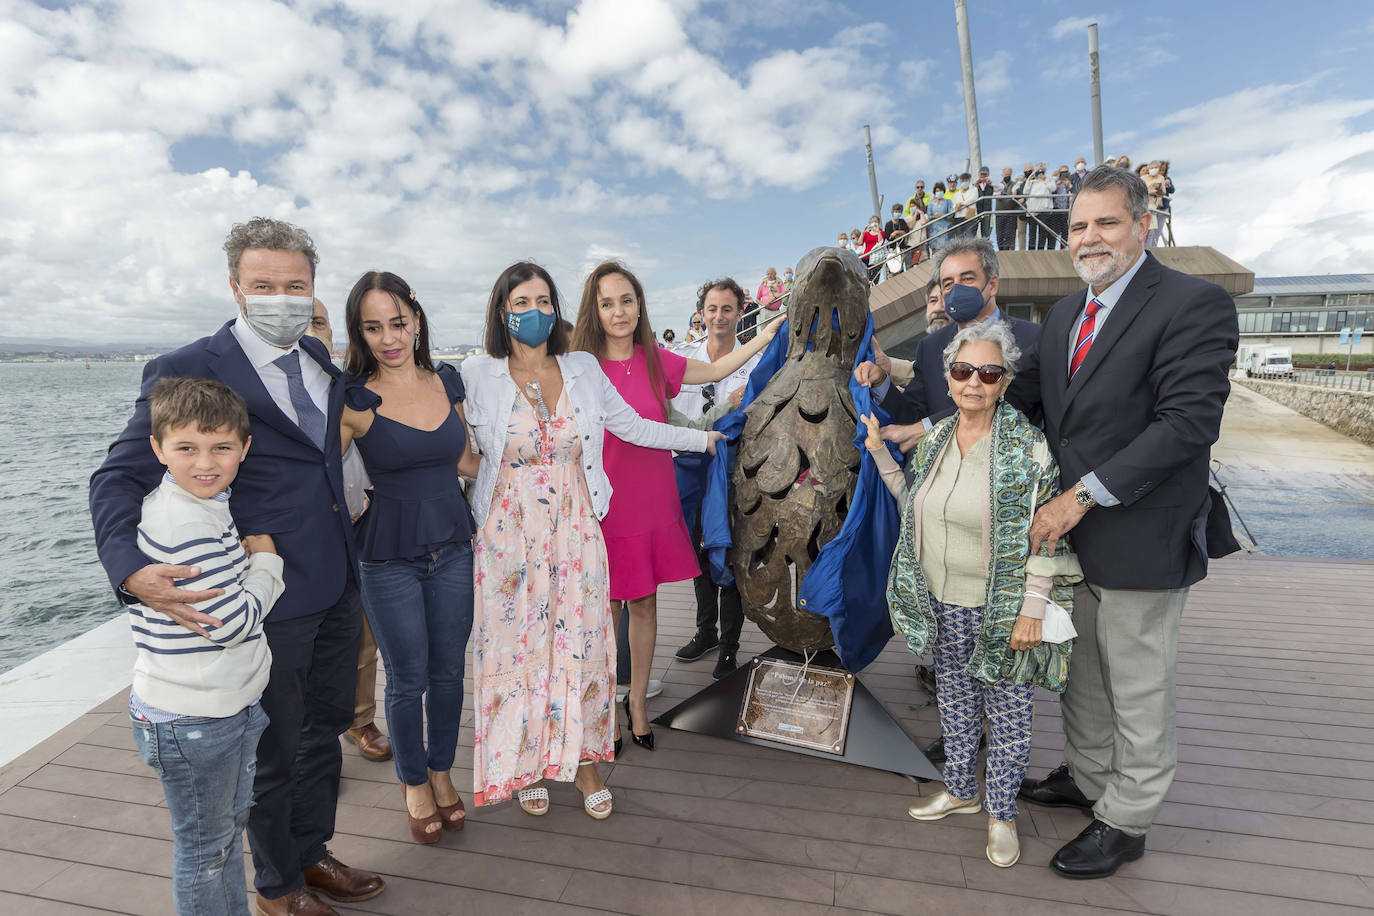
(942, 804)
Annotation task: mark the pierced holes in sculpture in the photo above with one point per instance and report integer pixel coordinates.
(765, 553)
(813, 544)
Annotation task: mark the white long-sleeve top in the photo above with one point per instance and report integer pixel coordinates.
(596, 405)
(177, 670)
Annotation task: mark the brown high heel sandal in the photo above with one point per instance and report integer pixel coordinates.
(446, 813)
(419, 831)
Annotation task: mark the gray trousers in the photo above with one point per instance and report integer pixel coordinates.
(1121, 745)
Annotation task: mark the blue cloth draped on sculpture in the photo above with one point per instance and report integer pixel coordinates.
(847, 583)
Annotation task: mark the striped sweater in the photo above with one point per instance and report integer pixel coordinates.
(183, 672)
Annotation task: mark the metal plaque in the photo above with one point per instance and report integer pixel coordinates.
(802, 705)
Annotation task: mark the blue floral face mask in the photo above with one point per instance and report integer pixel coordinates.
(531, 328)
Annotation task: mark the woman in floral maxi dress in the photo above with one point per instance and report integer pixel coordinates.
(544, 648)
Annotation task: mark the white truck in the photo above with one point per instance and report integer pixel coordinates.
(1263, 361)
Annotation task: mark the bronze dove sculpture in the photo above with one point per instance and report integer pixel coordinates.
(796, 466)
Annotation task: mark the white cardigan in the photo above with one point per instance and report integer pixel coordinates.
(597, 407)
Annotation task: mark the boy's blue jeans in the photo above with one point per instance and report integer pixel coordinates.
(206, 768)
(421, 614)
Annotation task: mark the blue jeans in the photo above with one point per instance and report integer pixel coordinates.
(420, 609)
(206, 768)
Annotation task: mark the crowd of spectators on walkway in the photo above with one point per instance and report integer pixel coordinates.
(1022, 212)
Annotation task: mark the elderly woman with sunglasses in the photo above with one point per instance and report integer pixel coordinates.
(964, 585)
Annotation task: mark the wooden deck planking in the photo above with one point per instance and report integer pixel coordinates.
(1272, 807)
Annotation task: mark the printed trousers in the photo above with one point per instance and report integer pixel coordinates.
(963, 702)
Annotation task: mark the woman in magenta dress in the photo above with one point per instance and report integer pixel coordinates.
(647, 541)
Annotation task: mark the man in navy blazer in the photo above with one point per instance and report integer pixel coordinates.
(1131, 375)
(291, 487)
(970, 262)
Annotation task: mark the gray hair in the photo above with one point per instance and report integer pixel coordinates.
(998, 332)
(980, 246)
(1107, 177)
(272, 234)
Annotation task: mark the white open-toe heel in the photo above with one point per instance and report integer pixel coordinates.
(527, 798)
(596, 798)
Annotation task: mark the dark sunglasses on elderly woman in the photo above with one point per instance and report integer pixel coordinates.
(988, 375)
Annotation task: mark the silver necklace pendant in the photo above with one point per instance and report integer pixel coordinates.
(536, 394)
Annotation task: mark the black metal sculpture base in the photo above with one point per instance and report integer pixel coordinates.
(875, 739)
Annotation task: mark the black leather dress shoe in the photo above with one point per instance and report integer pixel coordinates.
(1097, 852)
(1057, 790)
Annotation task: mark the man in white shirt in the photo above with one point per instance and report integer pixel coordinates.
(720, 303)
(965, 207)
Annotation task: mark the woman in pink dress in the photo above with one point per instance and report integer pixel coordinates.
(647, 541)
(771, 291)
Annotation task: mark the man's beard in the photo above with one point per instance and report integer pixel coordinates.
(1106, 274)
(936, 323)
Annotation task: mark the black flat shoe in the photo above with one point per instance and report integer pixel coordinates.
(644, 741)
(725, 664)
(935, 750)
(700, 644)
(1097, 852)
(1056, 790)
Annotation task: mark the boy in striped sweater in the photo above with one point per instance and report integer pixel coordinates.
(194, 704)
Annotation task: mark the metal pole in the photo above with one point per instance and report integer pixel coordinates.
(1095, 87)
(975, 150)
(872, 175)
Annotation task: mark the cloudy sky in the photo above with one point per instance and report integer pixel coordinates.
(444, 139)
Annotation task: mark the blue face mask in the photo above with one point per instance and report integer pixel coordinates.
(531, 328)
(963, 303)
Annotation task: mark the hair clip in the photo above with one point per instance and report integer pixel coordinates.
(413, 297)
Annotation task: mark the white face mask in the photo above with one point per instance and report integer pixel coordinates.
(279, 320)
(1080, 167)
(1153, 172)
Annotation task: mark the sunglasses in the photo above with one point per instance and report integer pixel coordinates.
(988, 375)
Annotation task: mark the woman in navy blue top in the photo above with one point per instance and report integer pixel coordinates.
(415, 540)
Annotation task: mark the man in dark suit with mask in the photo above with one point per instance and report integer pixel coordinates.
(968, 276)
(1131, 376)
(290, 486)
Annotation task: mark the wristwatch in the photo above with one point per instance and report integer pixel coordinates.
(1084, 495)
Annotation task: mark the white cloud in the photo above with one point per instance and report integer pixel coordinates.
(1266, 176)
(441, 140)
(992, 74)
(1076, 25)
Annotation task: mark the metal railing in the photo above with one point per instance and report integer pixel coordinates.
(1050, 229)
(1358, 380)
(881, 259)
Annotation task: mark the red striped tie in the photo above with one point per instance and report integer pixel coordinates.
(1085, 336)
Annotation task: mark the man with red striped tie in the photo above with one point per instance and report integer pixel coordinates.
(1131, 375)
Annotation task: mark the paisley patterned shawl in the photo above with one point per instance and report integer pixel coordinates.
(1019, 463)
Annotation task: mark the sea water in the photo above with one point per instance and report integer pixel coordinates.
(58, 419)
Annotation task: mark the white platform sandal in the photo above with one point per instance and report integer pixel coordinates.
(527, 798)
(596, 798)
